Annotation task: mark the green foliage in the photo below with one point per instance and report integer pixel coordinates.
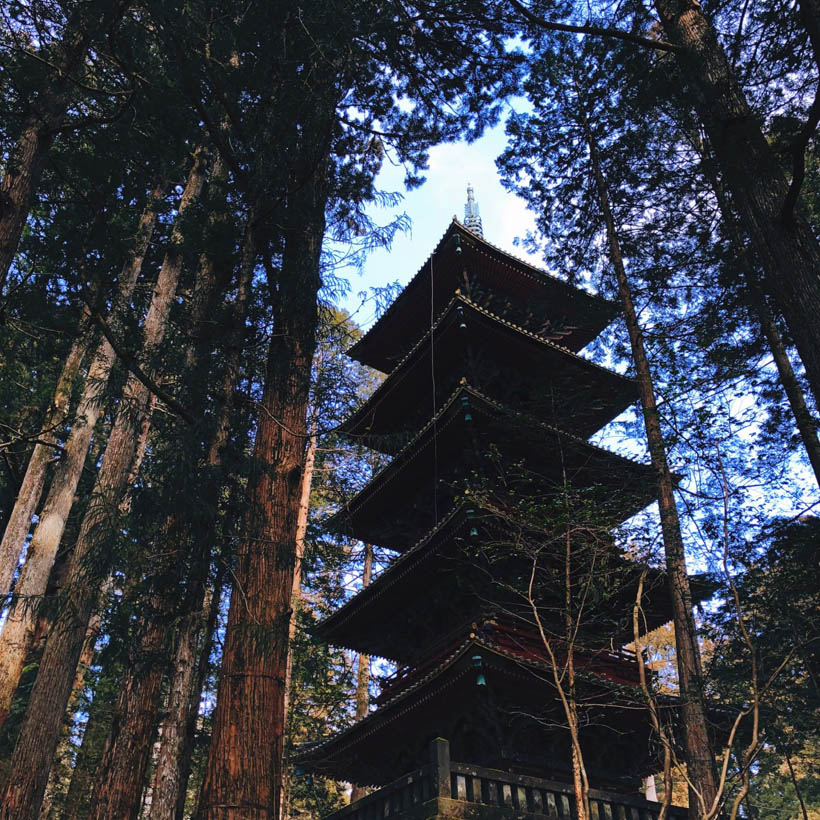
(777, 586)
(277, 90)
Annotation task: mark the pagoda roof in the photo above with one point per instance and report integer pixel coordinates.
(387, 618)
(409, 495)
(421, 710)
(580, 316)
(501, 359)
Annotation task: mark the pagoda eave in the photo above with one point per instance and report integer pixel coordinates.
(376, 621)
(504, 362)
(394, 333)
(366, 753)
(422, 482)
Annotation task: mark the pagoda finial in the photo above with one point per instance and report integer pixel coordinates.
(472, 220)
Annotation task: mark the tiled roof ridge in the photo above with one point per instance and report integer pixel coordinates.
(537, 270)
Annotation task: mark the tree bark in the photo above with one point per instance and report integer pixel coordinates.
(89, 564)
(806, 425)
(185, 685)
(786, 247)
(301, 532)
(699, 755)
(122, 772)
(243, 778)
(98, 721)
(296, 594)
(182, 761)
(810, 18)
(194, 640)
(31, 488)
(45, 541)
(64, 747)
(85, 25)
(363, 672)
(117, 786)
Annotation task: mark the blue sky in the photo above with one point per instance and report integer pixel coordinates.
(431, 208)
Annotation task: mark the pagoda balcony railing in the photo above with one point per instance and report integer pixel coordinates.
(458, 790)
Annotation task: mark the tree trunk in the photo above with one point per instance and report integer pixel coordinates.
(791, 386)
(89, 564)
(699, 755)
(182, 762)
(363, 672)
(296, 594)
(45, 542)
(184, 688)
(122, 772)
(98, 722)
(120, 776)
(63, 753)
(301, 532)
(31, 488)
(810, 18)
(25, 162)
(243, 776)
(187, 679)
(786, 247)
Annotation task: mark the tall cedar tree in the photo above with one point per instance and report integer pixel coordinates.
(122, 771)
(184, 684)
(48, 532)
(700, 760)
(563, 115)
(321, 164)
(44, 108)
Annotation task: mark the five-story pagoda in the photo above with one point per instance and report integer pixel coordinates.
(508, 597)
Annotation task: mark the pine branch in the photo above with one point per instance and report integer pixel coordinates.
(130, 361)
(801, 142)
(600, 31)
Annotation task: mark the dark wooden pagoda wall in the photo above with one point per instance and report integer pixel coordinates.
(512, 417)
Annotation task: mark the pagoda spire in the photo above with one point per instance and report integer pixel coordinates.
(472, 219)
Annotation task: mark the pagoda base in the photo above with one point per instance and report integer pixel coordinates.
(446, 790)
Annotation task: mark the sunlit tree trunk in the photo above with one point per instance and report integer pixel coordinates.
(44, 452)
(45, 541)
